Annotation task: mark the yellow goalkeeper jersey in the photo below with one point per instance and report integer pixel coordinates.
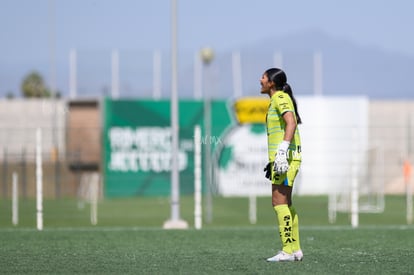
(280, 103)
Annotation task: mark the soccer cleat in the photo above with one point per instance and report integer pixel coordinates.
(298, 255)
(282, 257)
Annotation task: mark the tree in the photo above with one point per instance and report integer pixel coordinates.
(34, 86)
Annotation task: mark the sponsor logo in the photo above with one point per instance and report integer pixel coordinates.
(146, 149)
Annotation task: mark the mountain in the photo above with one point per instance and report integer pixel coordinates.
(347, 68)
(352, 69)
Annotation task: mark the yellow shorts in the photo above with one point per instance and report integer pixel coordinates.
(287, 178)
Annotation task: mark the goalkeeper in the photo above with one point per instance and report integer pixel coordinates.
(284, 159)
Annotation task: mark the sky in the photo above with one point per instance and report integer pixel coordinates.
(33, 29)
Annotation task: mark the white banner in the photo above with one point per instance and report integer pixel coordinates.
(334, 137)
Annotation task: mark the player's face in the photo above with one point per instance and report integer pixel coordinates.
(265, 84)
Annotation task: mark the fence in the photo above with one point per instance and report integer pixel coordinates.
(379, 137)
(146, 74)
(80, 143)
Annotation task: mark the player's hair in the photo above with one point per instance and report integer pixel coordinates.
(278, 77)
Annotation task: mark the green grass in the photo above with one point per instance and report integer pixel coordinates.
(234, 250)
(129, 240)
(152, 212)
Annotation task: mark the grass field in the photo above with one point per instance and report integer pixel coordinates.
(129, 240)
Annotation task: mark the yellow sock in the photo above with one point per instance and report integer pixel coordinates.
(284, 218)
(295, 229)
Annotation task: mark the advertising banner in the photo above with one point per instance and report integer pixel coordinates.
(242, 154)
(137, 146)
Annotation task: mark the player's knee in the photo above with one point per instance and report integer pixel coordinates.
(279, 200)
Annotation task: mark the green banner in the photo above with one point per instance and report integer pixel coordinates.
(137, 144)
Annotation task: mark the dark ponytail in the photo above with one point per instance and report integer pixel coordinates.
(278, 77)
(287, 89)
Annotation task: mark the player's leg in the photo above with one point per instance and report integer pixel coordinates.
(297, 251)
(280, 200)
(281, 194)
(294, 168)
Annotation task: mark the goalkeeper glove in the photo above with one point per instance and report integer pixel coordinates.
(268, 170)
(281, 164)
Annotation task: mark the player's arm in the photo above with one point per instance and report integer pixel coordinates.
(281, 164)
(290, 128)
(285, 108)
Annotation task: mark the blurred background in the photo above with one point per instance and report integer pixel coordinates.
(94, 78)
